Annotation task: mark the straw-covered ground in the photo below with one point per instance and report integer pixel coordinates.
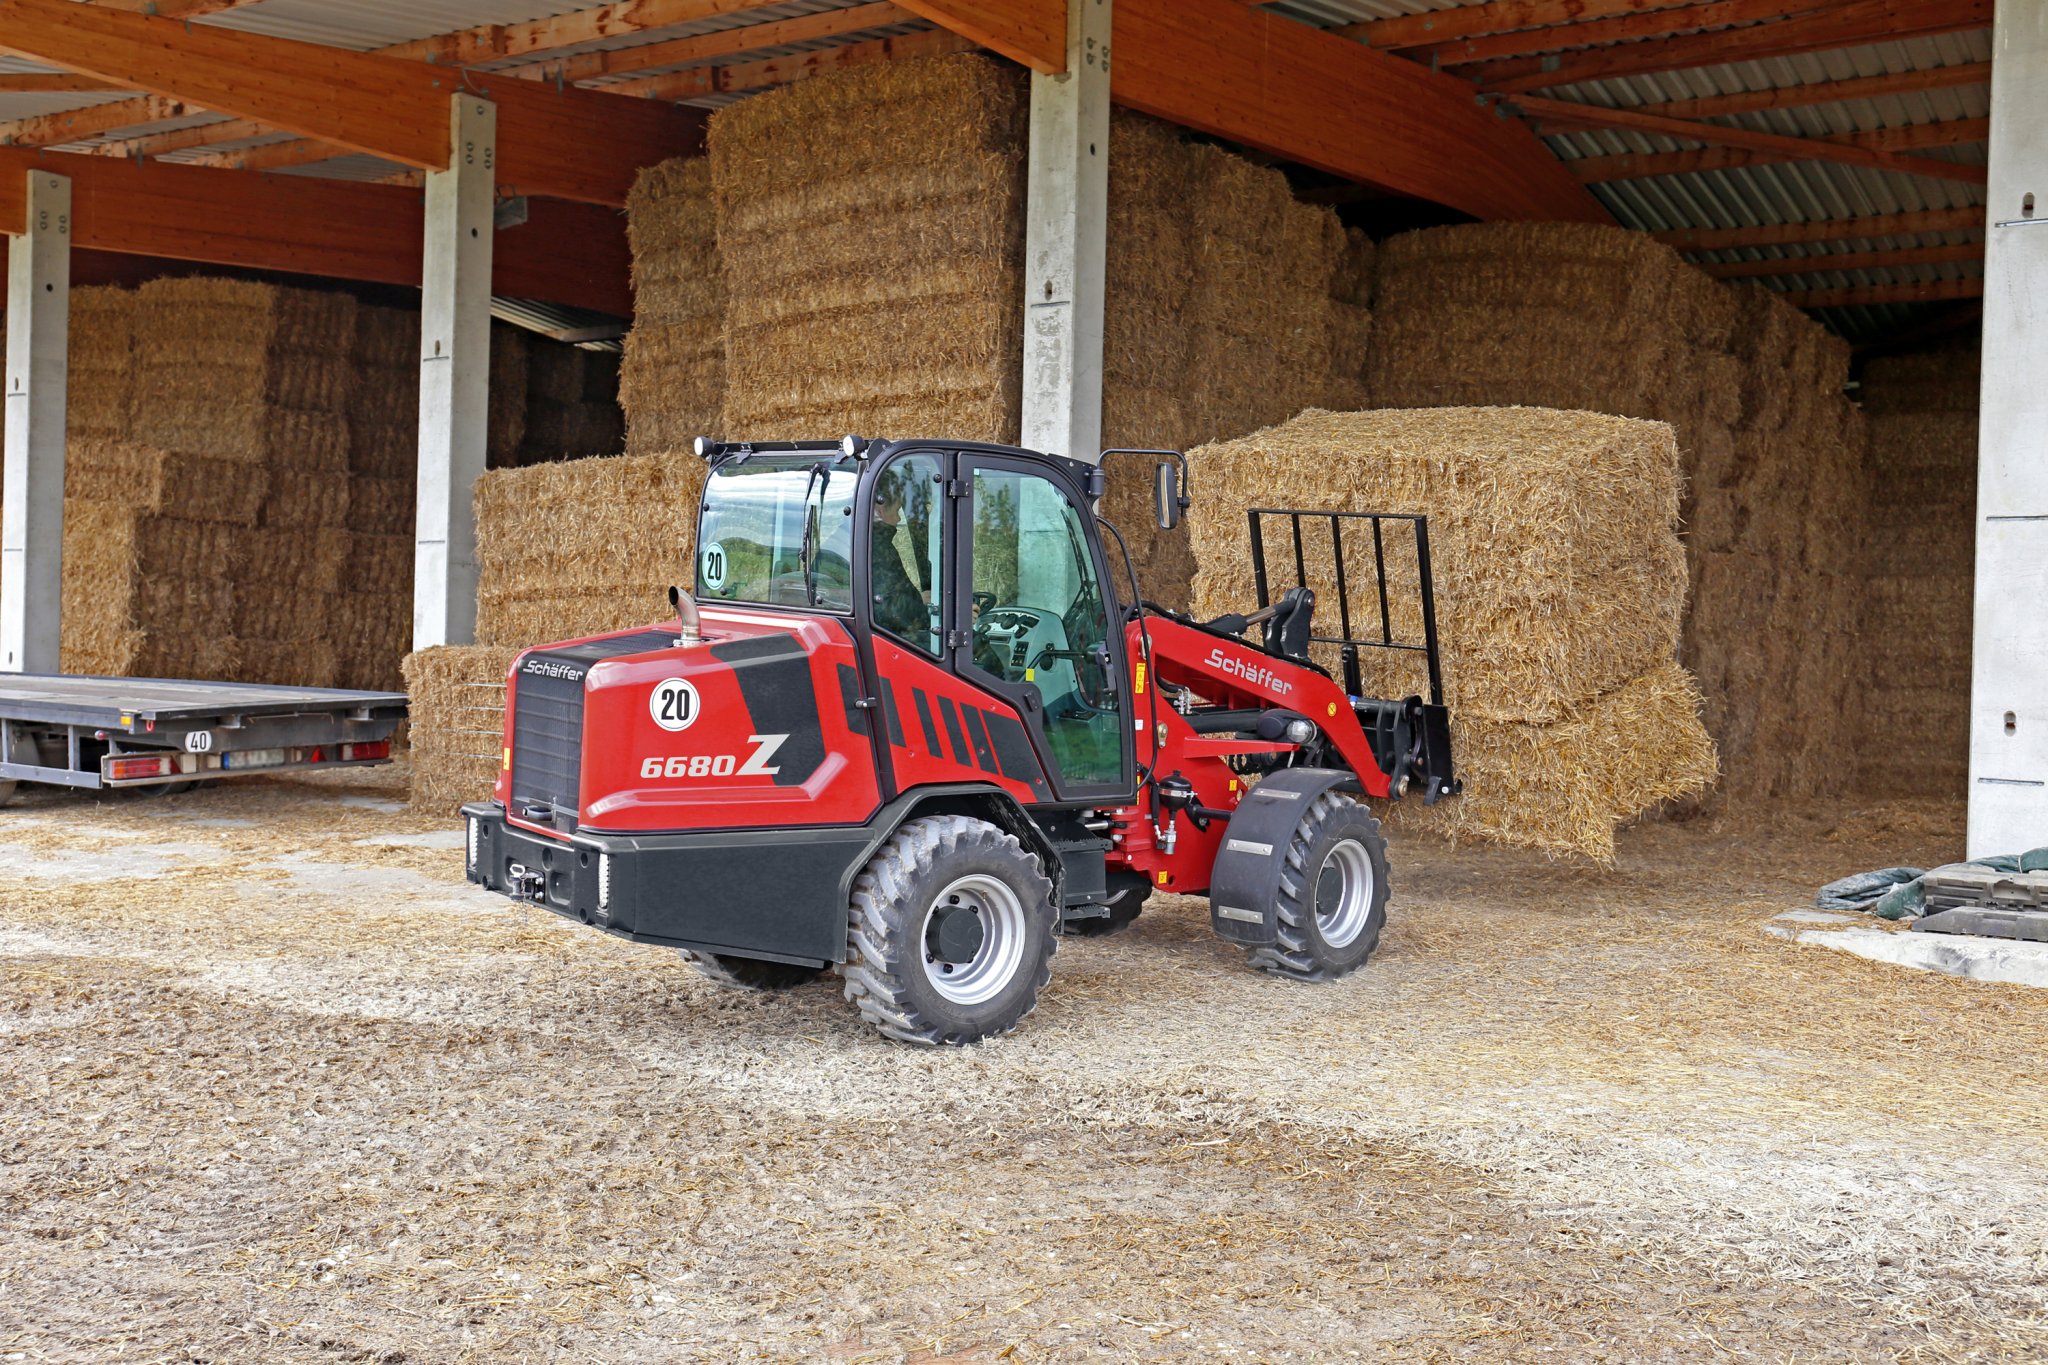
(279, 1086)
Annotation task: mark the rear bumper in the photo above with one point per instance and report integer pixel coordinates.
(779, 894)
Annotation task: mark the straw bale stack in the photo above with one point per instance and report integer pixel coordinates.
(162, 483)
(1559, 582)
(572, 403)
(1912, 674)
(672, 378)
(457, 721)
(870, 226)
(100, 389)
(580, 546)
(132, 606)
(384, 417)
(1230, 306)
(1771, 448)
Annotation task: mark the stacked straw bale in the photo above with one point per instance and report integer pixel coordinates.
(1919, 597)
(1559, 583)
(672, 378)
(565, 549)
(1603, 320)
(870, 228)
(1230, 306)
(255, 520)
(456, 722)
(100, 390)
(572, 403)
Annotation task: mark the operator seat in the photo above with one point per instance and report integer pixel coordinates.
(1287, 629)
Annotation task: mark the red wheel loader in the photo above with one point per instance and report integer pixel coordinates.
(904, 728)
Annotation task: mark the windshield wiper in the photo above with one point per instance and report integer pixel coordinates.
(820, 478)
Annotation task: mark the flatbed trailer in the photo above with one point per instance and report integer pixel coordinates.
(74, 731)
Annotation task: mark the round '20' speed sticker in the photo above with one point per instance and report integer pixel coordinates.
(674, 703)
(711, 567)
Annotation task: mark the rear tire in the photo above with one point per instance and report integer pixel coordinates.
(1333, 893)
(751, 973)
(951, 933)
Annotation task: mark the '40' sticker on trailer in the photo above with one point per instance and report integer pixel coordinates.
(674, 703)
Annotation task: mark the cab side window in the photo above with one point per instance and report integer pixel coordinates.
(905, 551)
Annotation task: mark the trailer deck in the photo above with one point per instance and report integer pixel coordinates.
(93, 732)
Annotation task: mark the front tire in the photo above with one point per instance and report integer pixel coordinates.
(751, 973)
(951, 933)
(1333, 893)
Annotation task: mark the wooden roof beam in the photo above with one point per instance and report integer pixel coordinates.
(1820, 263)
(1825, 92)
(694, 83)
(1501, 16)
(566, 253)
(1300, 93)
(51, 83)
(1622, 28)
(498, 42)
(1866, 295)
(1875, 149)
(389, 108)
(1843, 25)
(95, 120)
(1865, 228)
(739, 77)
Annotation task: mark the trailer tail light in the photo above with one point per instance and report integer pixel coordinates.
(128, 769)
(369, 749)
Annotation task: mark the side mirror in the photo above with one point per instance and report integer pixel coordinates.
(1166, 499)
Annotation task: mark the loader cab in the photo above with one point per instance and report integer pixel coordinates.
(951, 564)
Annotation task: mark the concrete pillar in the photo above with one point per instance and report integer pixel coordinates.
(2009, 686)
(1067, 216)
(38, 358)
(455, 375)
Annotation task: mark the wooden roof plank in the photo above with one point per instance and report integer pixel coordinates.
(1731, 146)
(1031, 32)
(1622, 28)
(1865, 228)
(1845, 25)
(1820, 263)
(386, 107)
(566, 253)
(1826, 92)
(1501, 16)
(1867, 295)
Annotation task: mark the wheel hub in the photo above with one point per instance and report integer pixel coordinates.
(956, 934)
(1344, 893)
(973, 939)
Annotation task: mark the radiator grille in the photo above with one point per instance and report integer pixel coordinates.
(547, 723)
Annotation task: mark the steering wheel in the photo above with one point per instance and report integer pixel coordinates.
(982, 602)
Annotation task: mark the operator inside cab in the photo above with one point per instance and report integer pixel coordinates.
(902, 606)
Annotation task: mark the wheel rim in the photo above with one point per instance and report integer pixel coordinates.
(1344, 893)
(973, 939)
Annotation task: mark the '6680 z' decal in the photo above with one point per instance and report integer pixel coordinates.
(756, 764)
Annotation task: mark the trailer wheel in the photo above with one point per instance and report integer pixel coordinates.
(1333, 893)
(951, 933)
(751, 973)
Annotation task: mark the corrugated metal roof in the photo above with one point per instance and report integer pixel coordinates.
(1789, 192)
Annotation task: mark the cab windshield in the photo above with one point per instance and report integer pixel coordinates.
(778, 529)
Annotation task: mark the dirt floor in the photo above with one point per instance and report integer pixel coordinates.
(276, 1085)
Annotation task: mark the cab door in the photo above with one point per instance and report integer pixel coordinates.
(1032, 624)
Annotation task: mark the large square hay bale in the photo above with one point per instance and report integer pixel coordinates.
(1559, 579)
(1558, 572)
(672, 377)
(457, 723)
(870, 226)
(580, 546)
